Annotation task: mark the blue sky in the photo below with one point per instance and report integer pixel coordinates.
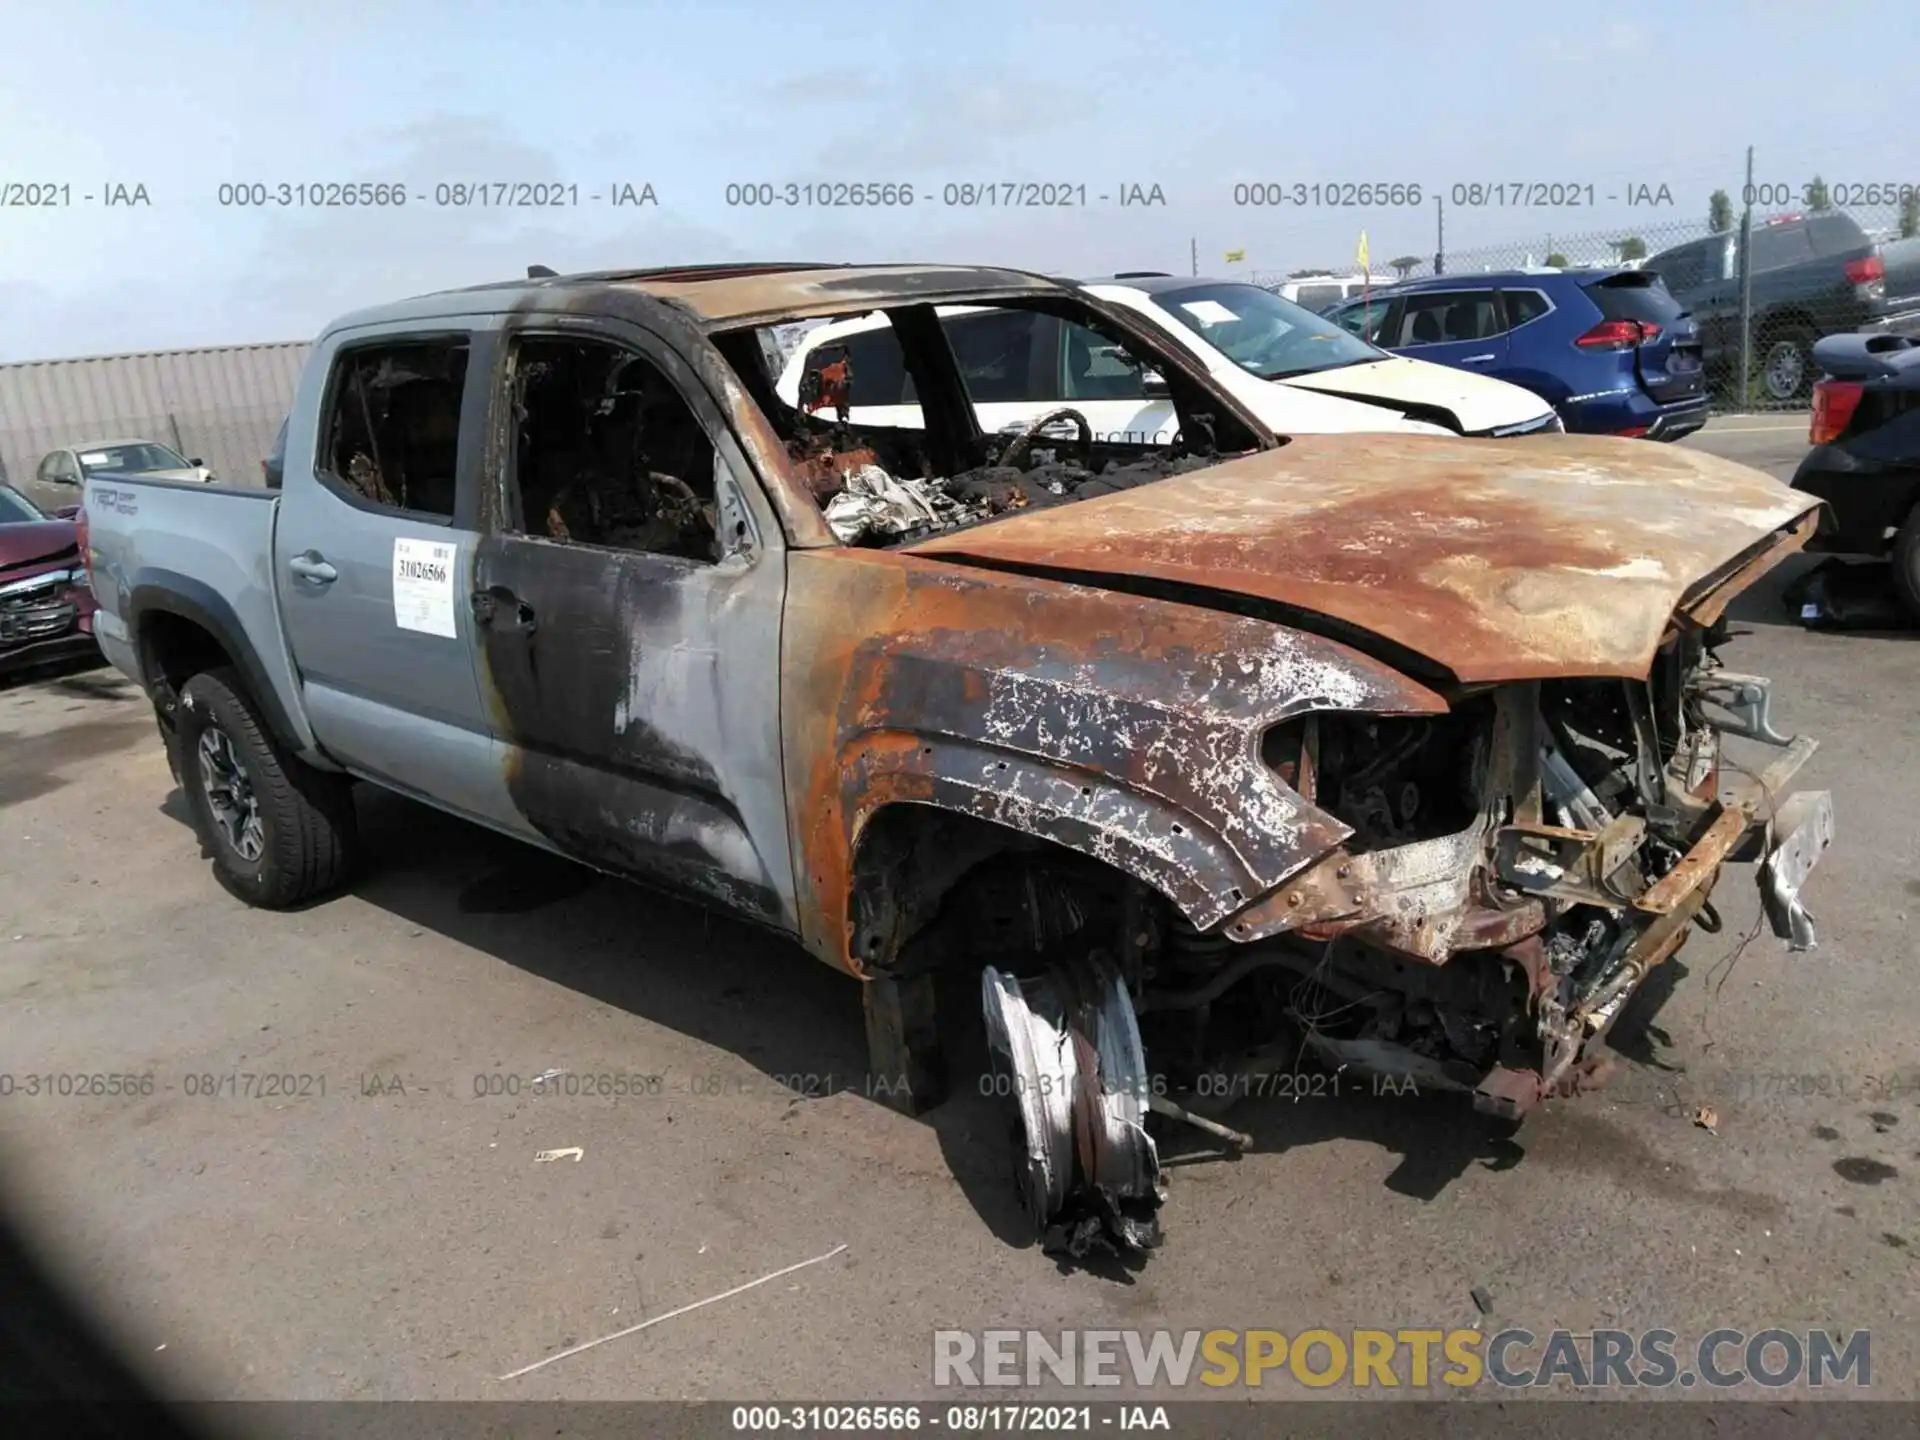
(1191, 97)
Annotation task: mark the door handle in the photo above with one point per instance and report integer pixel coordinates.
(312, 565)
(1477, 359)
(500, 608)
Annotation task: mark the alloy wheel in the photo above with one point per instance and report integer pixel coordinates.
(1785, 370)
(230, 796)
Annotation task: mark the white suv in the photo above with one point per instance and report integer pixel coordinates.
(1320, 293)
(1301, 374)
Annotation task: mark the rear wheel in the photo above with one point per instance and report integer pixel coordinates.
(1906, 565)
(277, 830)
(1786, 364)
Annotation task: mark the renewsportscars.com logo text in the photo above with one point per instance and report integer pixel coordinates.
(1410, 1358)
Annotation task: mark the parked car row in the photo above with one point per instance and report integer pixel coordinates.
(1810, 276)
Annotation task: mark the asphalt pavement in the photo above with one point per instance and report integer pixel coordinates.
(376, 1221)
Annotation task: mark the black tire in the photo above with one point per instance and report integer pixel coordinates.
(1906, 565)
(291, 835)
(1783, 363)
(167, 741)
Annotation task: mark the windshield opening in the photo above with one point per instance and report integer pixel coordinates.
(918, 420)
(1262, 333)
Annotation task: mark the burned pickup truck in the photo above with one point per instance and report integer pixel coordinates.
(1406, 752)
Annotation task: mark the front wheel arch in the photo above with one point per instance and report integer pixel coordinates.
(910, 857)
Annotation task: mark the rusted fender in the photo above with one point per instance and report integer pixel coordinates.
(1500, 560)
(1126, 728)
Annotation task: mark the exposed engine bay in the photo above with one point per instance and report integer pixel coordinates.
(1515, 870)
(1458, 889)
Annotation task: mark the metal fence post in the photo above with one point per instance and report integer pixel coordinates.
(1746, 290)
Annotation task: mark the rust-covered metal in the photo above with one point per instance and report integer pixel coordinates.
(783, 295)
(1737, 812)
(1497, 559)
(1123, 727)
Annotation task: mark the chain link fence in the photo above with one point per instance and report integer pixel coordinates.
(1811, 273)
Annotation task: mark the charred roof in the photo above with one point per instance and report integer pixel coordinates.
(728, 295)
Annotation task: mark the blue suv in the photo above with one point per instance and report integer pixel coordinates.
(1611, 350)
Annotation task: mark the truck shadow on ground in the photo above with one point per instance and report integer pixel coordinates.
(760, 998)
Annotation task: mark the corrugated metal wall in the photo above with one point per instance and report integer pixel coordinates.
(222, 405)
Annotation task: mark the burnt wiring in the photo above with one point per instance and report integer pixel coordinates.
(1318, 980)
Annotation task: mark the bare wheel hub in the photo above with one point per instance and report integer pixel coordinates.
(1066, 1053)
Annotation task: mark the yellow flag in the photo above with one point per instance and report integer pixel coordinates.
(1362, 258)
(1235, 256)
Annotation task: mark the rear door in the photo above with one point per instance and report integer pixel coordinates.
(372, 552)
(1667, 361)
(1462, 328)
(628, 595)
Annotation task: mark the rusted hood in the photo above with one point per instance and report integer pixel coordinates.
(1498, 559)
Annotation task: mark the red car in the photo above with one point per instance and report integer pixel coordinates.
(46, 604)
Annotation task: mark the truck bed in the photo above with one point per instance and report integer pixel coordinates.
(202, 551)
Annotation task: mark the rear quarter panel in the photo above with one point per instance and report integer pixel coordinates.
(200, 551)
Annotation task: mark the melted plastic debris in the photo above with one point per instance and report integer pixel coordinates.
(873, 507)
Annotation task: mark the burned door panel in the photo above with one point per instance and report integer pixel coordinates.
(629, 623)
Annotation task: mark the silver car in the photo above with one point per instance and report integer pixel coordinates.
(74, 465)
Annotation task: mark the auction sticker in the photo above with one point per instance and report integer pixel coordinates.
(423, 586)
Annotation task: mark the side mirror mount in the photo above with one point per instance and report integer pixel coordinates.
(1154, 385)
(196, 461)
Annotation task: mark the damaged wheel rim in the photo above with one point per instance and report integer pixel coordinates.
(1067, 1055)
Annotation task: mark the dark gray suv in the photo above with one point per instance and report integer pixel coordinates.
(1813, 275)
